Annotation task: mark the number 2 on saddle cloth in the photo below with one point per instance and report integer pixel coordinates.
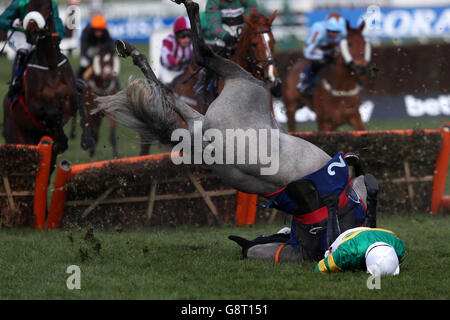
(304, 199)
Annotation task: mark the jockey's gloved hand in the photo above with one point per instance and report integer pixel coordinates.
(229, 40)
(17, 24)
(328, 57)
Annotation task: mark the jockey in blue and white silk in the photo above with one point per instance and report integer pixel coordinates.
(320, 48)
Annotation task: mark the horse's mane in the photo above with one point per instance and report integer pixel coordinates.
(257, 17)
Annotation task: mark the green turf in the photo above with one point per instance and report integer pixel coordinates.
(201, 263)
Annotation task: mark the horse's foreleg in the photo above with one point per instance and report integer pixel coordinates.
(112, 137)
(73, 124)
(356, 122)
(76, 101)
(188, 114)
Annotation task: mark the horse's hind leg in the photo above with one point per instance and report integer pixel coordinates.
(76, 102)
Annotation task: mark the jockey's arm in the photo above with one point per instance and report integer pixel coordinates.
(312, 50)
(168, 60)
(59, 26)
(8, 16)
(250, 6)
(214, 19)
(84, 40)
(334, 262)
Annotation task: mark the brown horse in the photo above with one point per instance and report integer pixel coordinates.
(337, 99)
(254, 52)
(49, 93)
(102, 79)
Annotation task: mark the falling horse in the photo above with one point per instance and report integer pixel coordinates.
(337, 98)
(102, 79)
(295, 176)
(49, 93)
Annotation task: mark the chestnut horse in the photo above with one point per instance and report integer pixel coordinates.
(49, 94)
(337, 98)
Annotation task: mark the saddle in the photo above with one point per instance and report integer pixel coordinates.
(310, 200)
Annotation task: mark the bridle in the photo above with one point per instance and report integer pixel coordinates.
(258, 65)
(348, 58)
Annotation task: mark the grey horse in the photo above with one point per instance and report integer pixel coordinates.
(243, 106)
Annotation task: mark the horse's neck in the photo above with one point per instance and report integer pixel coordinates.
(340, 77)
(47, 52)
(243, 53)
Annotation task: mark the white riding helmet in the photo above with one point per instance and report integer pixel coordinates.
(381, 259)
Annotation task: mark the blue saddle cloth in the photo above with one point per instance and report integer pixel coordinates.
(330, 179)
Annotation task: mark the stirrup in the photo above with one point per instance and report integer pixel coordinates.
(352, 159)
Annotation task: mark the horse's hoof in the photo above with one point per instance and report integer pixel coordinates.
(87, 142)
(123, 48)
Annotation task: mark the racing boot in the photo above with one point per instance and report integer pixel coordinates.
(333, 229)
(17, 72)
(200, 87)
(372, 200)
(307, 81)
(263, 239)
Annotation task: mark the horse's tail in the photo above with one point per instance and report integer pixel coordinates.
(144, 108)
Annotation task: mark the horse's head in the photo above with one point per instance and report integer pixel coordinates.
(39, 22)
(356, 50)
(106, 66)
(256, 46)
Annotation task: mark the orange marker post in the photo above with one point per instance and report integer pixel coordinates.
(59, 195)
(252, 200)
(440, 173)
(245, 208)
(42, 176)
(241, 209)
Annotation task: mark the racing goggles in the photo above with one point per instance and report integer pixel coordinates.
(183, 34)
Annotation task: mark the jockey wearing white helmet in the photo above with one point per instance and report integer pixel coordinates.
(320, 48)
(378, 251)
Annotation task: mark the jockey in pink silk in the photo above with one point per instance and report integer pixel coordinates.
(176, 51)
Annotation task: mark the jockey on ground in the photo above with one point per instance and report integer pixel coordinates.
(176, 51)
(94, 37)
(320, 49)
(378, 251)
(11, 20)
(221, 22)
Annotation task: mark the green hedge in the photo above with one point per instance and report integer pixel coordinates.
(382, 154)
(134, 180)
(20, 165)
